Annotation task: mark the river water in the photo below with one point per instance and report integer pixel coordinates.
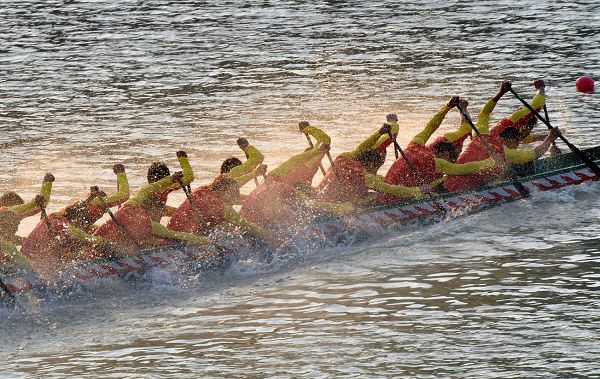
(512, 292)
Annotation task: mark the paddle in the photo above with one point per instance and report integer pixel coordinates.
(304, 124)
(101, 196)
(578, 153)
(518, 185)
(189, 198)
(438, 207)
(393, 118)
(555, 150)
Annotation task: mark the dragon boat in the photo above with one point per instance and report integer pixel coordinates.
(548, 174)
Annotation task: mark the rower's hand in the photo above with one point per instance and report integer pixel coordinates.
(303, 125)
(324, 148)
(181, 153)
(177, 176)
(118, 168)
(539, 84)
(48, 178)
(425, 189)
(505, 86)
(454, 100)
(463, 103)
(392, 117)
(385, 129)
(243, 143)
(555, 133)
(260, 170)
(40, 201)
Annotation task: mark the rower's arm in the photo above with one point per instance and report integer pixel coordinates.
(431, 126)
(384, 140)
(537, 103)
(459, 133)
(31, 207)
(483, 118)
(443, 166)
(325, 206)
(168, 211)
(186, 168)
(367, 144)
(234, 218)
(12, 253)
(318, 134)
(519, 156)
(374, 182)
(81, 235)
(304, 157)
(160, 230)
(118, 197)
(148, 190)
(255, 158)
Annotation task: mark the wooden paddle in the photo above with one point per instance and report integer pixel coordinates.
(101, 196)
(518, 185)
(578, 153)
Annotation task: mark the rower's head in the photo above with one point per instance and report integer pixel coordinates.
(528, 127)
(78, 215)
(445, 150)
(9, 223)
(228, 188)
(10, 198)
(157, 171)
(371, 160)
(510, 137)
(229, 163)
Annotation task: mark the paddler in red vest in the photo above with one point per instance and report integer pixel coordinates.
(431, 161)
(212, 207)
(519, 160)
(286, 195)
(138, 220)
(242, 173)
(522, 119)
(12, 210)
(355, 172)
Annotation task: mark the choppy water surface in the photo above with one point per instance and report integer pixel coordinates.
(512, 292)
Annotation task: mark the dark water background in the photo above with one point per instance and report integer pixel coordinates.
(513, 292)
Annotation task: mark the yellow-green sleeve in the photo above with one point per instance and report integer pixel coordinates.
(31, 207)
(186, 168)
(443, 166)
(304, 157)
(325, 206)
(483, 118)
(81, 235)
(160, 230)
(234, 218)
(118, 197)
(536, 103)
(375, 183)
(318, 134)
(148, 190)
(382, 138)
(433, 124)
(519, 156)
(458, 133)
(367, 144)
(255, 158)
(13, 254)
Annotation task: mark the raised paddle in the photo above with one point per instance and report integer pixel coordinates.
(438, 207)
(188, 195)
(392, 117)
(555, 150)
(578, 153)
(518, 185)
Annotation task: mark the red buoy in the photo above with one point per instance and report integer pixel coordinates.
(585, 84)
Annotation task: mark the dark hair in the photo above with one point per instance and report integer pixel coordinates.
(10, 198)
(229, 163)
(444, 147)
(510, 133)
(78, 215)
(157, 171)
(224, 184)
(370, 159)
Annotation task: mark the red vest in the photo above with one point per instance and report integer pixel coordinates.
(475, 151)
(43, 247)
(208, 203)
(135, 221)
(270, 204)
(347, 183)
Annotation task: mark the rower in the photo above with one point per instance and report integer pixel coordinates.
(138, 220)
(430, 161)
(522, 119)
(356, 172)
(212, 206)
(242, 173)
(521, 160)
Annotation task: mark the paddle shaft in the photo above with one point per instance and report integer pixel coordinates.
(120, 226)
(518, 185)
(548, 119)
(310, 143)
(580, 154)
(189, 198)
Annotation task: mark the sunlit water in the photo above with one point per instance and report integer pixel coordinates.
(511, 292)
